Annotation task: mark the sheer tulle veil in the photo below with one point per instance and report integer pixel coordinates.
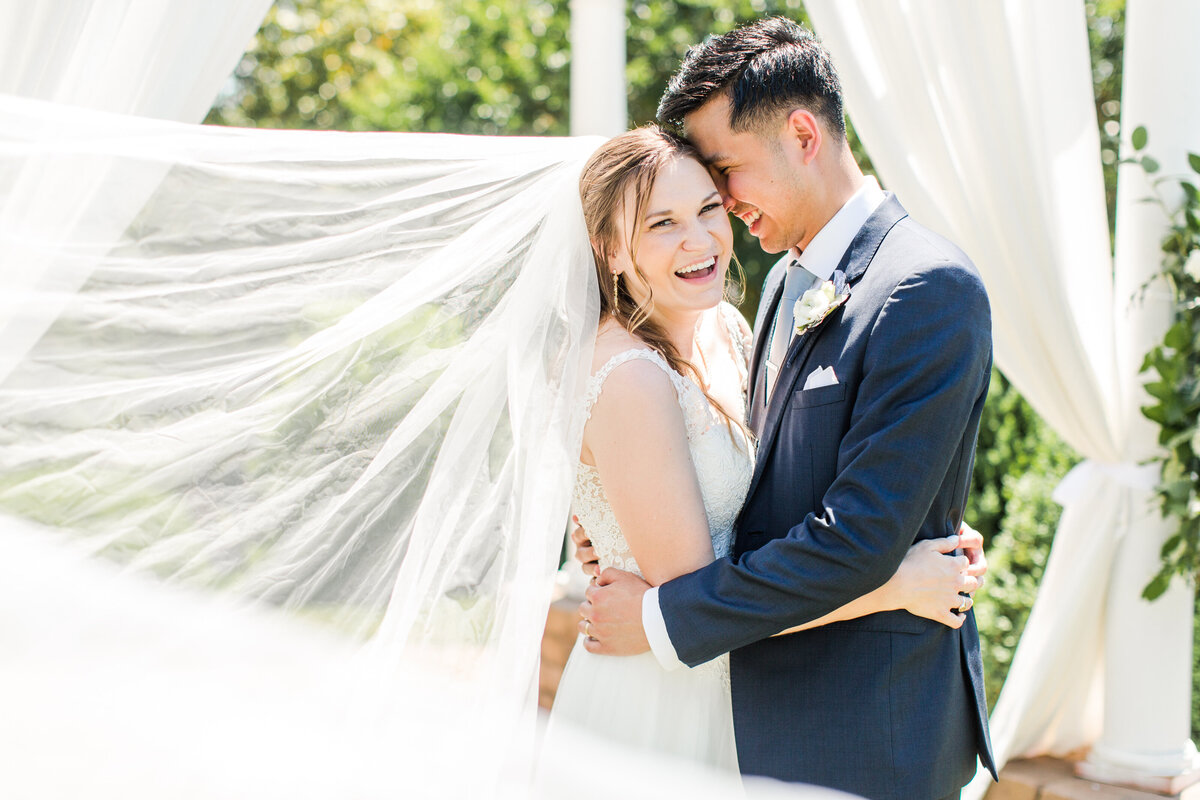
(325, 384)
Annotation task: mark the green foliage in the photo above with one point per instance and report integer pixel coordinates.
(471, 66)
(1174, 365)
(1018, 463)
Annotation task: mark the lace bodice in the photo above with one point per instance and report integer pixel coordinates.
(724, 464)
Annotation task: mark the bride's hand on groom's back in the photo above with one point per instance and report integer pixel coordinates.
(971, 542)
(585, 554)
(934, 583)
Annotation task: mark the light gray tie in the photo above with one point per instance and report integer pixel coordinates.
(797, 281)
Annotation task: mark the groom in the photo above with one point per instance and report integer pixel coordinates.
(866, 396)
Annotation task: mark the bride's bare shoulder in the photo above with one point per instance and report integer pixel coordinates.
(636, 404)
(612, 339)
(634, 382)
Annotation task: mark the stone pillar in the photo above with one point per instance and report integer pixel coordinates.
(598, 101)
(1148, 652)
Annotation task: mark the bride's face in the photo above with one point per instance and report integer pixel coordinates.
(682, 242)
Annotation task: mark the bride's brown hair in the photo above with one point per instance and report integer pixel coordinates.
(633, 160)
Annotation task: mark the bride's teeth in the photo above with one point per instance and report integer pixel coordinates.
(696, 267)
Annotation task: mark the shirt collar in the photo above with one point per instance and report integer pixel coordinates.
(826, 249)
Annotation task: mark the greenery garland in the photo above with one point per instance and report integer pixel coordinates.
(1176, 387)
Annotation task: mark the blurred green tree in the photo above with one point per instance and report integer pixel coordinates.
(468, 66)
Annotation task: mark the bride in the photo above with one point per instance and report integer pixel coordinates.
(666, 460)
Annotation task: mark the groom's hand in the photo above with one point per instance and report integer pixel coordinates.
(612, 615)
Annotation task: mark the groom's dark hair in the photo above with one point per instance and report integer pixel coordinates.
(768, 68)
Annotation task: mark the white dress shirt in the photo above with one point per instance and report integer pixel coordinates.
(821, 258)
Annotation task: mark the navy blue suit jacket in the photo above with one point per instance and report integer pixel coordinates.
(849, 476)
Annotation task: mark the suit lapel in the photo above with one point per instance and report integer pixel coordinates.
(851, 268)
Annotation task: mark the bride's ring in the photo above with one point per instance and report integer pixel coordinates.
(587, 628)
(966, 604)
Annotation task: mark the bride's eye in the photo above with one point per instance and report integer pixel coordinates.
(663, 223)
(710, 207)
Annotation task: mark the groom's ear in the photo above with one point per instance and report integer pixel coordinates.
(803, 135)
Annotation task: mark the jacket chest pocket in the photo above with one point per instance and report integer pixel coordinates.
(818, 422)
(821, 396)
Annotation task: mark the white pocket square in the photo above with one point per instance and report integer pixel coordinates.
(822, 376)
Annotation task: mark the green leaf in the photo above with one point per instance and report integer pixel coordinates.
(1149, 164)
(1149, 361)
(1155, 414)
(1194, 162)
(1178, 336)
(1189, 189)
(1178, 491)
(1159, 390)
(1155, 588)
(1140, 137)
(1172, 544)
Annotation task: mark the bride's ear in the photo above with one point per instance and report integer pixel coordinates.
(612, 262)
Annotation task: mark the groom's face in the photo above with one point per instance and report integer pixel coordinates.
(761, 177)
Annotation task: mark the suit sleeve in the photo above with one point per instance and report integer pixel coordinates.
(926, 369)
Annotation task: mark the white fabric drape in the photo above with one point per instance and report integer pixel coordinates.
(981, 117)
(143, 57)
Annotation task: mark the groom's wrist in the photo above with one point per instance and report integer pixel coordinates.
(655, 628)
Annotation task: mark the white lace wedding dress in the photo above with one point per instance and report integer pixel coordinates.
(684, 712)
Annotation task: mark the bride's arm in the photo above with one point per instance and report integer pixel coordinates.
(637, 440)
(927, 584)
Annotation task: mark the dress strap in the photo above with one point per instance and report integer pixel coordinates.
(596, 381)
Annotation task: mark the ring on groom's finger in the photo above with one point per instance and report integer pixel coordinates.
(587, 628)
(966, 604)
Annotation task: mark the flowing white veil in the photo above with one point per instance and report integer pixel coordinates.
(283, 486)
(335, 375)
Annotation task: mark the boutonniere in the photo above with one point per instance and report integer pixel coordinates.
(817, 304)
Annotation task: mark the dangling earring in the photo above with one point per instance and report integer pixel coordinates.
(615, 274)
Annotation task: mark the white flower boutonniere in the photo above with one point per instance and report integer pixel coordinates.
(816, 304)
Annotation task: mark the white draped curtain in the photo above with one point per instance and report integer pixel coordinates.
(981, 117)
(142, 57)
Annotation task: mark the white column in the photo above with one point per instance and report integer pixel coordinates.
(1148, 652)
(598, 101)
(599, 107)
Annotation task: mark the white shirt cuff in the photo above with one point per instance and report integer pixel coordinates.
(656, 632)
